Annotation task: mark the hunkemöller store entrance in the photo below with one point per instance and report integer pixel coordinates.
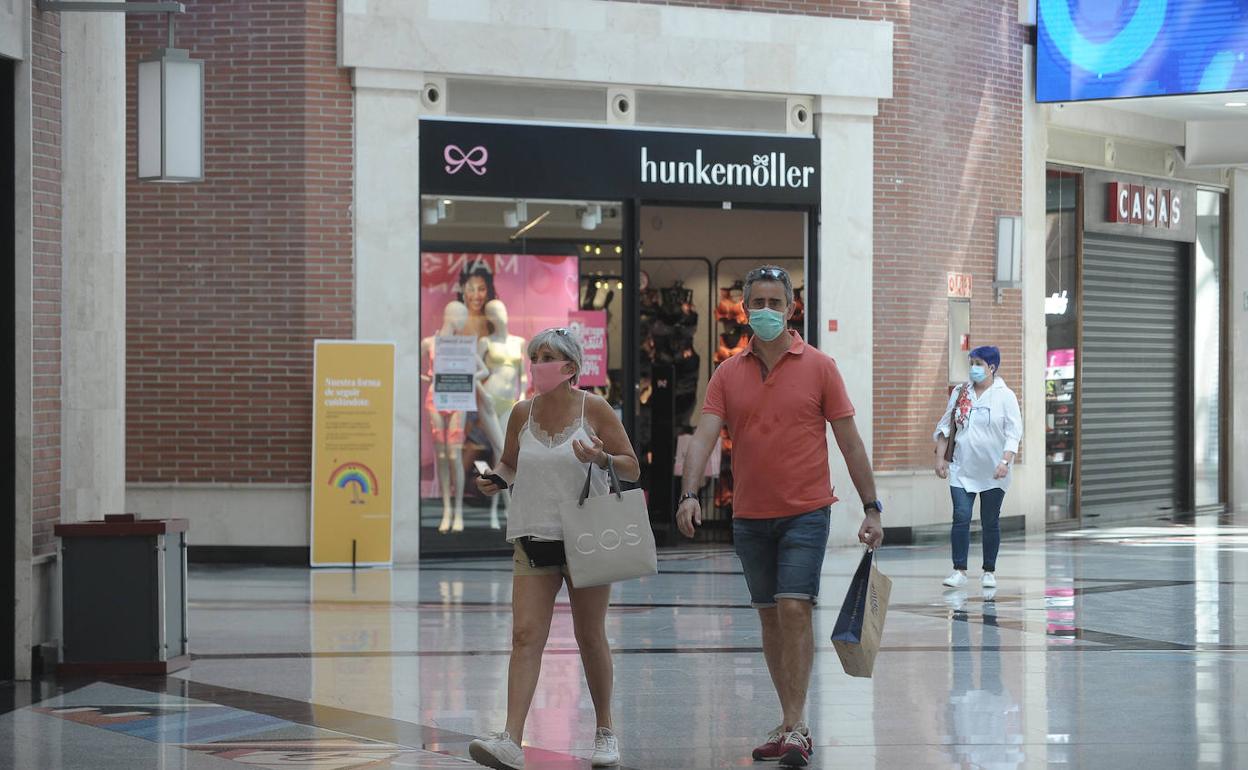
(638, 241)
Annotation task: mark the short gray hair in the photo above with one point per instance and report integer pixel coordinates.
(562, 341)
(768, 273)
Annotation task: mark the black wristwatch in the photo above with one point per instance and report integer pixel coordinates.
(687, 496)
(874, 505)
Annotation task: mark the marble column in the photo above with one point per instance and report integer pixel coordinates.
(1237, 347)
(1027, 495)
(23, 366)
(93, 299)
(387, 266)
(846, 131)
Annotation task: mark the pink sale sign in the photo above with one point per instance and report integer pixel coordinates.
(591, 327)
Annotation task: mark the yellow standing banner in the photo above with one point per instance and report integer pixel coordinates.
(352, 453)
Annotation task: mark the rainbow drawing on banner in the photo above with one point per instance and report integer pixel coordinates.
(358, 477)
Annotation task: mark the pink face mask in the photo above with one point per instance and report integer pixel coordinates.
(549, 375)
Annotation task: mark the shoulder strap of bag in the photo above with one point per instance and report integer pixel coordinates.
(613, 479)
(953, 413)
(953, 424)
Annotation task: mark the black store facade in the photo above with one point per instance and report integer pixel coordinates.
(1135, 377)
(638, 240)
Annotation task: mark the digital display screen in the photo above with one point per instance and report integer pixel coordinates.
(1112, 49)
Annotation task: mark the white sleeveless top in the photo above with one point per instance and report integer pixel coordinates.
(547, 475)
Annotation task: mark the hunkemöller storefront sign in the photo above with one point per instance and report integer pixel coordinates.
(508, 159)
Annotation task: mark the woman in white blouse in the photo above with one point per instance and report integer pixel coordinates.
(989, 428)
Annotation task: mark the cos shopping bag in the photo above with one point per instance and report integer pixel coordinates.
(856, 635)
(608, 538)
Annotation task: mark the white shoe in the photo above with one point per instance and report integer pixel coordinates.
(606, 748)
(956, 579)
(955, 598)
(497, 750)
(989, 580)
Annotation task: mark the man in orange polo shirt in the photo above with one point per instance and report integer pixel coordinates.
(776, 398)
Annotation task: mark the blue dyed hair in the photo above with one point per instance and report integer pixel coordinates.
(989, 355)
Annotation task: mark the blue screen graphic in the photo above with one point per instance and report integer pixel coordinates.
(1109, 49)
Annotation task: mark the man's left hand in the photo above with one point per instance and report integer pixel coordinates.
(871, 533)
(1002, 471)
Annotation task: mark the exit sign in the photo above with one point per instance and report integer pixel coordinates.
(959, 285)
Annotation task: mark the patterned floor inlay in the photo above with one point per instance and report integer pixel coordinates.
(252, 739)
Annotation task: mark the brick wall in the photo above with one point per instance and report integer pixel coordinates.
(230, 280)
(948, 160)
(46, 135)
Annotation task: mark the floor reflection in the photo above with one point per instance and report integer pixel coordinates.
(1114, 647)
(985, 725)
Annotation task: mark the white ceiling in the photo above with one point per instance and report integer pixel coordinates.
(1186, 107)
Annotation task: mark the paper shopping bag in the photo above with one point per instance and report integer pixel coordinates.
(608, 538)
(856, 635)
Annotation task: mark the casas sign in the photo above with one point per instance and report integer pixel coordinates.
(1137, 204)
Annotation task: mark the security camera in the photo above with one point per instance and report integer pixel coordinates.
(620, 107)
(432, 94)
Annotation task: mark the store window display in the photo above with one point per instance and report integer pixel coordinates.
(507, 382)
(691, 319)
(734, 335)
(508, 277)
(498, 300)
(476, 289)
(446, 428)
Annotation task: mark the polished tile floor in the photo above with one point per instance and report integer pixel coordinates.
(1103, 648)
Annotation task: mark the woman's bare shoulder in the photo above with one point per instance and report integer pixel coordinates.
(599, 410)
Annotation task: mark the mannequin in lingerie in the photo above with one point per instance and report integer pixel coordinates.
(447, 428)
(503, 354)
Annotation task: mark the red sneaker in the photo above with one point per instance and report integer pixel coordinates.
(770, 750)
(796, 747)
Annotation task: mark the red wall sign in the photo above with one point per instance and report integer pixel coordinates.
(958, 285)
(1137, 204)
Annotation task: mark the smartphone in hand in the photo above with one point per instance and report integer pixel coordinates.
(483, 470)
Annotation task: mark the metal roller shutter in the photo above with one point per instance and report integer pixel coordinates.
(1134, 396)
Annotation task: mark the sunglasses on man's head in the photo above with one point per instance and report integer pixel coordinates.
(562, 331)
(772, 273)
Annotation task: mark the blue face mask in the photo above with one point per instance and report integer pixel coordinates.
(978, 374)
(766, 323)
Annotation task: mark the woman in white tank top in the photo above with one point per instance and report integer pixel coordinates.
(551, 440)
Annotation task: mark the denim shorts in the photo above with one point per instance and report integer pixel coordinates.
(782, 558)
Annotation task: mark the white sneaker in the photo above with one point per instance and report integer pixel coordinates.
(955, 598)
(956, 579)
(989, 580)
(606, 748)
(497, 750)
